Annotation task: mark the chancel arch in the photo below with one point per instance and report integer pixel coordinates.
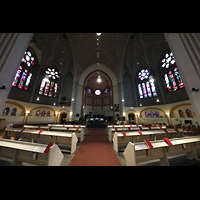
(97, 94)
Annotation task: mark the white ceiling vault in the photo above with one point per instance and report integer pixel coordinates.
(118, 51)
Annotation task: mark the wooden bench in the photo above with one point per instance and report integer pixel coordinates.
(140, 135)
(57, 137)
(78, 131)
(121, 126)
(114, 129)
(37, 154)
(85, 130)
(161, 149)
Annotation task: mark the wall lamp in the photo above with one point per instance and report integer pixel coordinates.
(195, 90)
(3, 87)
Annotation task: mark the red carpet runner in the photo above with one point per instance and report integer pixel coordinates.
(95, 150)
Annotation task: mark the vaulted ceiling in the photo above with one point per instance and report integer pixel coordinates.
(118, 51)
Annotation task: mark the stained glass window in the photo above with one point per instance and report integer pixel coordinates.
(23, 76)
(49, 87)
(178, 77)
(167, 83)
(17, 75)
(146, 114)
(181, 113)
(189, 113)
(28, 58)
(106, 91)
(89, 91)
(172, 78)
(144, 90)
(140, 91)
(148, 88)
(6, 111)
(168, 60)
(143, 74)
(151, 114)
(28, 81)
(157, 114)
(97, 92)
(13, 112)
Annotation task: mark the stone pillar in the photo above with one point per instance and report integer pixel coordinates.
(186, 50)
(12, 48)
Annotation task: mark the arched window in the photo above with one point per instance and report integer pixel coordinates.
(181, 113)
(172, 76)
(37, 113)
(43, 113)
(6, 111)
(49, 84)
(13, 112)
(157, 114)
(23, 75)
(48, 113)
(151, 114)
(146, 87)
(189, 113)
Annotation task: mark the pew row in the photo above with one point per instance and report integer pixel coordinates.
(43, 136)
(77, 130)
(112, 130)
(85, 130)
(121, 126)
(33, 153)
(161, 149)
(138, 136)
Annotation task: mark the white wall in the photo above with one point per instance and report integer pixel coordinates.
(31, 118)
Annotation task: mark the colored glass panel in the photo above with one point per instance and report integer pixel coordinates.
(172, 79)
(144, 90)
(28, 81)
(148, 89)
(178, 77)
(23, 78)
(167, 83)
(17, 76)
(140, 91)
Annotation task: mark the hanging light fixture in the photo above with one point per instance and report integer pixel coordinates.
(99, 78)
(98, 57)
(150, 77)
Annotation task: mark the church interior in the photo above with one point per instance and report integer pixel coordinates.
(99, 99)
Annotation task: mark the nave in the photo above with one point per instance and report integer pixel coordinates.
(97, 150)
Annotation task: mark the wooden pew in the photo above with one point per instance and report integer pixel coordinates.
(57, 137)
(37, 154)
(112, 130)
(161, 149)
(35, 127)
(121, 126)
(85, 130)
(78, 131)
(140, 135)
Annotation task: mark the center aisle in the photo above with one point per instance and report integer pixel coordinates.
(95, 150)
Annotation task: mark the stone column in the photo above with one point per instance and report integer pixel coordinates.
(186, 50)
(12, 48)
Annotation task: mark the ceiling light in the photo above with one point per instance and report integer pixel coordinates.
(98, 34)
(99, 79)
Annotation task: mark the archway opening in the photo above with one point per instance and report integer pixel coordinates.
(97, 95)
